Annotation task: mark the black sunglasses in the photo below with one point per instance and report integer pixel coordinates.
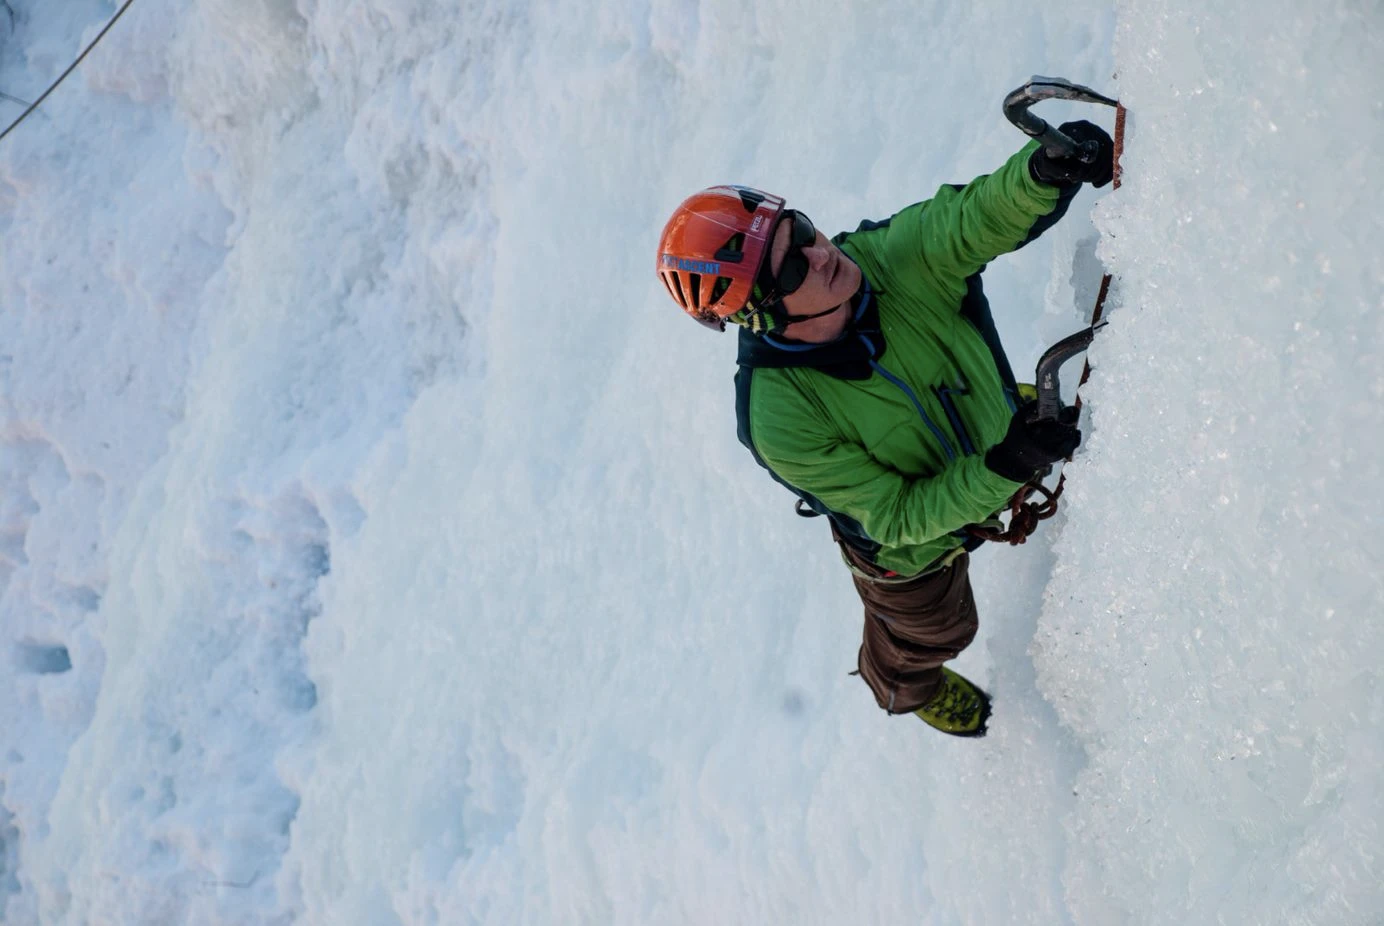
(795, 268)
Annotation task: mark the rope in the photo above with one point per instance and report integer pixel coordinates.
(1024, 515)
(70, 68)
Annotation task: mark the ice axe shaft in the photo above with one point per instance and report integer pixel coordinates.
(1054, 141)
(1050, 364)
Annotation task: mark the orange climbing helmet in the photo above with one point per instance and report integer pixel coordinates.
(712, 251)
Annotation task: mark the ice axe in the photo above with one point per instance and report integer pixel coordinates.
(1056, 143)
(1049, 389)
(1025, 514)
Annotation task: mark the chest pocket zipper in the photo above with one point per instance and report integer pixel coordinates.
(922, 412)
(945, 396)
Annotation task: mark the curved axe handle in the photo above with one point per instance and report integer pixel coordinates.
(1050, 364)
(1055, 142)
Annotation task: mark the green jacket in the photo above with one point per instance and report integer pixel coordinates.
(885, 429)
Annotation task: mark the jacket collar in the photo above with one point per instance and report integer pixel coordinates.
(847, 357)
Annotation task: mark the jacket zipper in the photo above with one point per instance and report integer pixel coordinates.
(922, 412)
(944, 396)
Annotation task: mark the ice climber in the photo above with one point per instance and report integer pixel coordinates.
(872, 383)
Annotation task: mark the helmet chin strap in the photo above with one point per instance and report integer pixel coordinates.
(787, 319)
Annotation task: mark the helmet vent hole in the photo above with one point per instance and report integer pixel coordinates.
(696, 280)
(750, 199)
(718, 289)
(679, 296)
(733, 250)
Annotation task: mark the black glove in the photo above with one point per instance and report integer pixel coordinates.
(1069, 170)
(1029, 445)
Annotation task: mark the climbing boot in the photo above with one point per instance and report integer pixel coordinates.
(958, 708)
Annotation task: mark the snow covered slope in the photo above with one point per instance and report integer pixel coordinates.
(375, 546)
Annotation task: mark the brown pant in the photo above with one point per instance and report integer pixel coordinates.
(912, 626)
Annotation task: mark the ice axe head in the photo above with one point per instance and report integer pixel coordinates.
(1055, 142)
(1050, 364)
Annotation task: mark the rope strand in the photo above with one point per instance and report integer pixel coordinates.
(70, 68)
